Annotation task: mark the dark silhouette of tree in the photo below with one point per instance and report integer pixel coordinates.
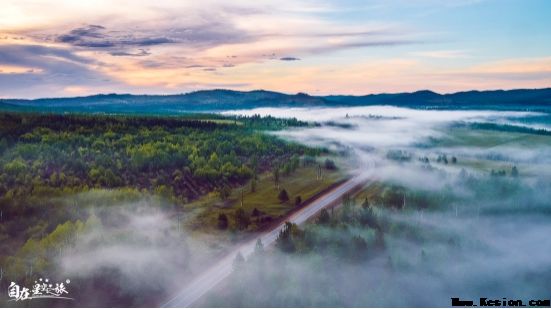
(238, 262)
(324, 217)
(330, 164)
(242, 220)
(514, 171)
(283, 196)
(365, 204)
(259, 247)
(222, 221)
(347, 205)
(285, 239)
(224, 192)
(368, 217)
(347, 200)
(298, 200)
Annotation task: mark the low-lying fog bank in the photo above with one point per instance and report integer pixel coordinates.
(491, 240)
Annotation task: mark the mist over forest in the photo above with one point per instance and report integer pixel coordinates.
(470, 219)
(456, 205)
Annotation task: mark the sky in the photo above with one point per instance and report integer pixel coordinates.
(64, 48)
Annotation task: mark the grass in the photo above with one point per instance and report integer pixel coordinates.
(301, 183)
(460, 136)
(489, 139)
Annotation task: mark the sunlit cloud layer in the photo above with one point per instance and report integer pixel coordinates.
(67, 48)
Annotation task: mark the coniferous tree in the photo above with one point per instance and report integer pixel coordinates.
(283, 196)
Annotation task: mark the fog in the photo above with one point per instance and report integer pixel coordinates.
(380, 126)
(374, 130)
(493, 259)
(130, 254)
(491, 241)
(321, 114)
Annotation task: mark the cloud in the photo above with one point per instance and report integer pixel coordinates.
(361, 44)
(176, 44)
(289, 58)
(91, 31)
(95, 36)
(51, 69)
(204, 31)
(141, 53)
(25, 54)
(180, 36)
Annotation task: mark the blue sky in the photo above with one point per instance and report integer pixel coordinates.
(69, 48)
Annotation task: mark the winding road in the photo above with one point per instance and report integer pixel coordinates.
(207, 280)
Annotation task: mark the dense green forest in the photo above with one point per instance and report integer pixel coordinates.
(180, 157)
(49, 163)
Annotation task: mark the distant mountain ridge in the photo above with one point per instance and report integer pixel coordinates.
(473, 98)
(221, 99)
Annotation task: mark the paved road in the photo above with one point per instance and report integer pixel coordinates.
(223, 268)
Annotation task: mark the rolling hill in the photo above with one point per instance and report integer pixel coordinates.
(219, 100)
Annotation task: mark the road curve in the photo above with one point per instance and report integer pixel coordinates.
(204, 282)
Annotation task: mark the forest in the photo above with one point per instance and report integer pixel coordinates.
(181, 157)
(132, 208)
(54, 169)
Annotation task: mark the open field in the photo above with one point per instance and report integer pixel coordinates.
(301, 183)
(458, 136)
(495, 149)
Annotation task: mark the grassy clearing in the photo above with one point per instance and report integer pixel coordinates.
(301, 183)
(460, 136)
(489, 140)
